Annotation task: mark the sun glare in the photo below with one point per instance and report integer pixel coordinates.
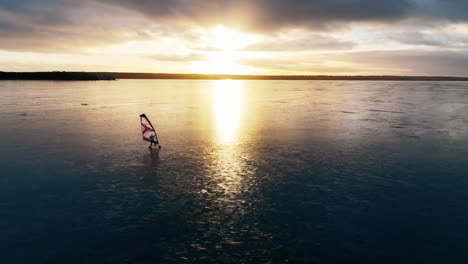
(227, 108)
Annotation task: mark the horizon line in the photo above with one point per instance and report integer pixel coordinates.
(202, 76)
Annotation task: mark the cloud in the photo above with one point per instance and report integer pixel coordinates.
(179, 58)
(454, 10)
(261, 15)
(300, 42)
(64, 25)
(270, 14)
(267, 66)
(413, 62)
(345, 33)
(418, 38)
(45, 12)
(67, 25)
(403, 62)
(431, 35)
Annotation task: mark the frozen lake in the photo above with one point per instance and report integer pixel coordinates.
(249, 172)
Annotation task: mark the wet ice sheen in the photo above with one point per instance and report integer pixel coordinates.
(249, 172)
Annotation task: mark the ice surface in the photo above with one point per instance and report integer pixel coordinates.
(249, 172)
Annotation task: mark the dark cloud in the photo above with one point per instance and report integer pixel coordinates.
(8, 29)
(44, 12)
(274, 14)
(270, 14)
(63, 25)
(455, 10)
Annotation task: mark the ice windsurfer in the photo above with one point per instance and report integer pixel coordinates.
(148, 132)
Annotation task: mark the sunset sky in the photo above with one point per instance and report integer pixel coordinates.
(398, 37)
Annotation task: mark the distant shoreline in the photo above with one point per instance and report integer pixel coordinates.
(56, 76)
(97, 76)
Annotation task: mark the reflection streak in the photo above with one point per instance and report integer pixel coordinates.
(227, 108)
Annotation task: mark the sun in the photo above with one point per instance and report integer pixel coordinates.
(223, 38)
(223, 59)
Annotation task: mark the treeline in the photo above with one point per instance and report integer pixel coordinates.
(128, 75)
(85, 76)
(56, 76)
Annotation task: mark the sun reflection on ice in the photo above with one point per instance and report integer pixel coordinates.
(225, 195)
(227, 107)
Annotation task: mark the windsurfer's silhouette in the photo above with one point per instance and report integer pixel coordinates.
(153, 141)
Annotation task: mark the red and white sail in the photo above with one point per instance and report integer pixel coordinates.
(147, 129)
